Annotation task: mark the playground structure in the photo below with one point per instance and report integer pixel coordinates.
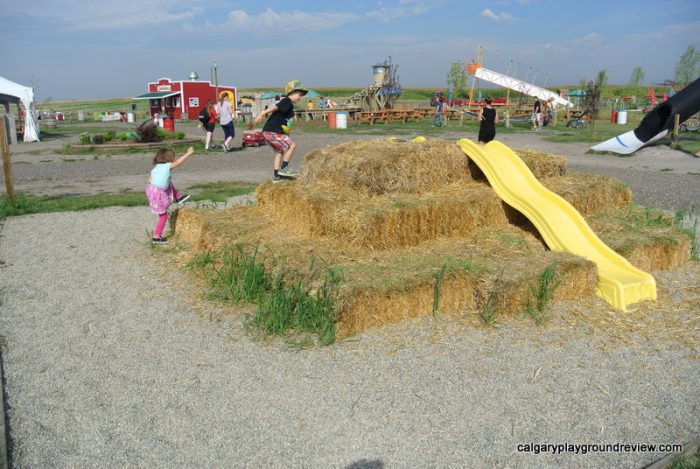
(382, 93)
(658, 123)
(417, 230)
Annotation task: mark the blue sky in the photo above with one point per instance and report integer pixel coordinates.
(73, 49)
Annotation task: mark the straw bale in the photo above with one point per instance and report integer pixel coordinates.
(650, 240)
(381, 222)
(380, 167)
(590, 193)
(542, 164)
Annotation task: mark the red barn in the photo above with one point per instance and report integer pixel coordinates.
(183, 99)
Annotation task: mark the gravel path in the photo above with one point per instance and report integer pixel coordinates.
(108, 364)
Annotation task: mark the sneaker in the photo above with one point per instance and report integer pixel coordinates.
(287, 172)
(280, 177)
(182, 199)
(159, 240)
(226, 149)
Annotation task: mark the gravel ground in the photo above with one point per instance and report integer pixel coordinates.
(109, 364)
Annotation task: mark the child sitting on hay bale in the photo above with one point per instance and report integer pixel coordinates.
(160, 190)
(277, 128)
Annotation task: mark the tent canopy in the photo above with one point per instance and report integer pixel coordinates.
(11, 92)
(578, 92)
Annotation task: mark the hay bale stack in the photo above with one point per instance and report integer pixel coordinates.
(590, 193)
(381, 167)
(381, 222)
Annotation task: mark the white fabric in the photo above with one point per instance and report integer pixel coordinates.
(520, 86)
(26, 96)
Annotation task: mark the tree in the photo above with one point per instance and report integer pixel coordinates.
(637, 77)
(457, 79)
(591, 101)
(687, 66)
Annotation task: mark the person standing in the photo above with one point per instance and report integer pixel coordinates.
(276, 129)
(439, 111)
(160, 190)
(210, 125)
(488, 117)
(537, 115)
(226, 120)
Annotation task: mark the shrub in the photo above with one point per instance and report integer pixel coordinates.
(85, 138)
(98, 139)
(109, 136)
(179, 135)
(148, 132)
(122, 136)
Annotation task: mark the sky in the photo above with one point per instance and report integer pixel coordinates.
(71, 49)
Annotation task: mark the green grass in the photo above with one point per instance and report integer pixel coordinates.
(219, 191)
(287, 302)
(437, 289)
(684, 215)
(547, 283)
(666, 170)
(29, 204)
(686, 461)
(487, 311)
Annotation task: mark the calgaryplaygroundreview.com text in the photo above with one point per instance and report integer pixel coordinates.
(585, 448)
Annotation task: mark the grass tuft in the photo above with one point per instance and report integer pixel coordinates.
(437, 289)
(547, 283)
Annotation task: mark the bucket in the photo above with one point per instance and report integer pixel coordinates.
(49, 122)
(169, 124)
(622, 116)
(331, 120)
(613, 116)
(341, 121)
(130, 117)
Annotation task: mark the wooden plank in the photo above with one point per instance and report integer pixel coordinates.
(6, 163)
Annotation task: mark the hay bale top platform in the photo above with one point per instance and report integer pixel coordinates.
(381, 167)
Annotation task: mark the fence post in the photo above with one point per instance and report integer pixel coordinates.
(507, 119)
(6, 164)
(676, 127)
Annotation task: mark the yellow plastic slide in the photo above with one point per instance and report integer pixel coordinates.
(559, 223)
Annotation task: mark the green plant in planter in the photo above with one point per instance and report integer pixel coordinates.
(122, 136)
(85, 138)
(98, 139)
(179, 135)
(109, 136)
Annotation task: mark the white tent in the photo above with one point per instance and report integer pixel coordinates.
(11, 92)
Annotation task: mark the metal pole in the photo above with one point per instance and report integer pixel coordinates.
(216, 82)
(6, 163)
(546, 80)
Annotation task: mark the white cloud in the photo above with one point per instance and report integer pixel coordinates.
(588, 39)
(405, 8)
(503, 16)
(286, 22)
(673, 30)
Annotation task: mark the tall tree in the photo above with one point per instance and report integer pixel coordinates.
(591, 101)
(637, 77)
(457, 79)
(687, 66)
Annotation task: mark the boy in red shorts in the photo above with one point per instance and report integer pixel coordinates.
(277, 127)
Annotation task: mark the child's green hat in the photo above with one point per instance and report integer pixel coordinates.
(294, 85)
